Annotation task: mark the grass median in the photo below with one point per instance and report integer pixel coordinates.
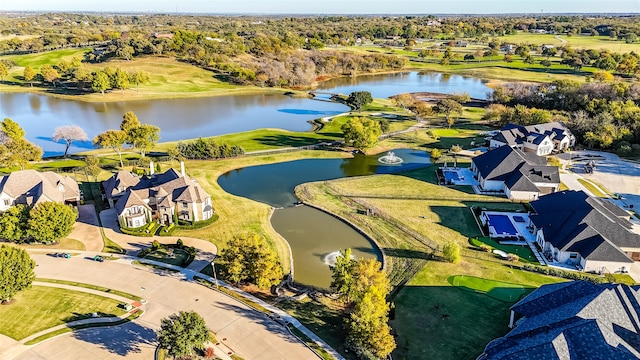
(40, 308)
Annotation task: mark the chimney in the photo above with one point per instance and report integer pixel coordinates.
(151, 169)
(182, 168)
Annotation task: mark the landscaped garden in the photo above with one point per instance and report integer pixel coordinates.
(41, 307)
(173, 254)
(523, 251)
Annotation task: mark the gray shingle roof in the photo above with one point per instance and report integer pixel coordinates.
(573, 221)
(34, 186)
(518, 170)
(577, 320)
(512, 134)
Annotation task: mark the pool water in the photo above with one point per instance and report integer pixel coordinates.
(451, 176)
(502, 224)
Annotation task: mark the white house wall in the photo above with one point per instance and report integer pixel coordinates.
(521, 195)
(492, 185)
(4, 196)
(495, 144)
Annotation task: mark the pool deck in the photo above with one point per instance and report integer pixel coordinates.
(521, 228)
(465, 176)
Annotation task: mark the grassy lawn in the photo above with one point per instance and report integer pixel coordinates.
(94, 287)
(170, 78)
(524, 252)
(499, 290)
(594, 189)
(63, 244)
(41, 307)
(169, 256)
(265, 139)
(436, 320)
(576, 42)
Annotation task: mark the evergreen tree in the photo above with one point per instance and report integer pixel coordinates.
(16, 271)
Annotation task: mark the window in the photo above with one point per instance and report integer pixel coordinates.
(185, 204)
(7, 202)
(573, 256)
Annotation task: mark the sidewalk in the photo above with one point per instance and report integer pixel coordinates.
(104, 320)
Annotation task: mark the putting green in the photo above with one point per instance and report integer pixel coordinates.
(496, 289)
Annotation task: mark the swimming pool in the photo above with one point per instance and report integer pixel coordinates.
(451, 176)
(502, 225)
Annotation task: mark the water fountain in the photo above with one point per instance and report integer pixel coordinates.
(330, 258)
(390, 159)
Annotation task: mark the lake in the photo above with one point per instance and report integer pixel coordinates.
(314, 236)
(190, 118)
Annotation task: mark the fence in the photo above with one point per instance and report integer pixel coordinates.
(322, 145)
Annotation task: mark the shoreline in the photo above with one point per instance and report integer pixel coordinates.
(132, 94)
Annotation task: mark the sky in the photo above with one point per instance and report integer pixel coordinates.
(329, 6)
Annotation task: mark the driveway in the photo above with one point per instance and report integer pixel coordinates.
(247, 332)
(616, 175)
(133, 244)
(87, 229)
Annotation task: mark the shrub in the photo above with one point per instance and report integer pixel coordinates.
(155, 244)
(180, 244)
(456, 148)
(485, 248)
(572, 275)
(436, 154)
(451, 252)
(209, 353)
(513, 257)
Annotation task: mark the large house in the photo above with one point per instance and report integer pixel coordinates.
(572, 320)
(30, 187)
(158, 197)
(520, 175)
(591, 234)
(541, 139)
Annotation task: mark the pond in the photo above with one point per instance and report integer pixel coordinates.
(314, 236)
(190, 118)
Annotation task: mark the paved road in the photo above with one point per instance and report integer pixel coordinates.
(248, 333)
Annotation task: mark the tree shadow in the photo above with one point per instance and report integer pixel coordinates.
(439, 313)
(289, 140)
(122, 340)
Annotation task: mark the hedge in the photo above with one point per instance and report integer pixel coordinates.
(133, 232)
(198, 225)
(566, 274)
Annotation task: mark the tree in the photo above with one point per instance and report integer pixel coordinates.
(13, 223)
(69, 134)
(29, 75)
(49, 74)
(51, 221)
(435, 154)
(113, 139)
(144, 137)
(358, 99)
(92, 166)
(602, 76)
(549, 52)
(125, 52)
(451, 252)
(368, 333)
(14, 149)
(361, 133)
(16, 271)
(4, 71)
(249, 258)
(100, 82)
(546, 64)
(405, 101)
(447, 107)
(139, 77)
(129, 121)
(181, 333)
(342, 275)
(120, 80)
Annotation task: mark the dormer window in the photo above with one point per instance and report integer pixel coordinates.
(61, 187)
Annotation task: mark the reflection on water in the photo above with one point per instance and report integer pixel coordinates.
(312, 234)
(181, 119)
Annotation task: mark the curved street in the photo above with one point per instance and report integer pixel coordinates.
(250, 334)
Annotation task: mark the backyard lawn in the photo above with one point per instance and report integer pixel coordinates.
(40, 308)
(436, 320)
(499, 290)
(523, 251)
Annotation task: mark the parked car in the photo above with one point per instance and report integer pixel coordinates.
(98, 258)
